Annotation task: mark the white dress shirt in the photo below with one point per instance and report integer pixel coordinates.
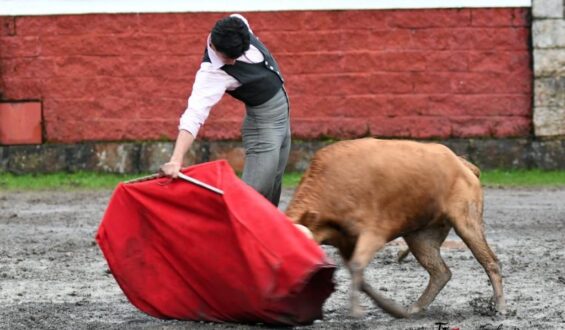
(210, 85)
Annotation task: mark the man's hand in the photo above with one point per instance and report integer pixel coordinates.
(170, 169)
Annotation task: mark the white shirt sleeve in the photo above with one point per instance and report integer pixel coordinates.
(209, 86)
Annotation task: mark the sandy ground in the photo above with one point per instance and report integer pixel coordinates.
(53, 276)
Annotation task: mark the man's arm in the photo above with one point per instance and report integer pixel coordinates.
(182, 145)
(209, 86)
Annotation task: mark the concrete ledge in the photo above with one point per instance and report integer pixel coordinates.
(549, 121)
(135, 157)
(548, 33)
(547, 8)
(549, 62)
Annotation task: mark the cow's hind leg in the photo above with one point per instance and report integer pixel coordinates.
(468, 224)
(425, 246)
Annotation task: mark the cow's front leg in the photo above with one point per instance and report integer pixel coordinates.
(356, 282)
(388, 305)
(367, 245)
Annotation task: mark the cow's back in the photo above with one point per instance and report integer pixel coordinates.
(403, 179)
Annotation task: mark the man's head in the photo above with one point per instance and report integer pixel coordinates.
(230, 38)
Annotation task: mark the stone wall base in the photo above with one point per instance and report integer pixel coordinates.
(138, 157)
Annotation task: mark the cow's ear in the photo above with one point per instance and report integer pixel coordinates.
(310, 219)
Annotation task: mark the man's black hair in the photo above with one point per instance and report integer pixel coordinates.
(230, 36)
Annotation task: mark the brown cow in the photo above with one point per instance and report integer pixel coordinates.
(358, 195)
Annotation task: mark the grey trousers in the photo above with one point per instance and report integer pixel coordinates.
(266, 140)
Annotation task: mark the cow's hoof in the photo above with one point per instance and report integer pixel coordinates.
(414, 310)
(402, 255)
(501, 310)
(357, 312)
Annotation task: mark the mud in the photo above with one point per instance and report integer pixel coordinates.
(53, 276)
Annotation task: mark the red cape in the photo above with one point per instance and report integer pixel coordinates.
(180, 251)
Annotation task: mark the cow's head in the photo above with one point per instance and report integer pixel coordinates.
(341, 234)
(303, 229)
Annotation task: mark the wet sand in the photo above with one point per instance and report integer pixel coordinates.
(53, 275)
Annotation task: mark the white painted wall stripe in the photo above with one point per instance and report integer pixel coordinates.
(62, 7)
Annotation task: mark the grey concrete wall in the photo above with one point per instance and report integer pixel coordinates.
(548, 41)
(137, 157)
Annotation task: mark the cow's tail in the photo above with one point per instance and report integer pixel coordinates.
(471, 166)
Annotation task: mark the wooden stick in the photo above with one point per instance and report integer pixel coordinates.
(181, 176)
(144, 178)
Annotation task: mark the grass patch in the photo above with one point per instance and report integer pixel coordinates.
(291, 180)
(491, 178)
(523, 178)
(92, 180)
(63, 181)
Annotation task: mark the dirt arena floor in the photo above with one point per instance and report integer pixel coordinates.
(53, 275)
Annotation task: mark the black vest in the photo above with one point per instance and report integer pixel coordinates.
(259, 81)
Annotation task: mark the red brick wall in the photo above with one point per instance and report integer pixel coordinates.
(388, 73)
